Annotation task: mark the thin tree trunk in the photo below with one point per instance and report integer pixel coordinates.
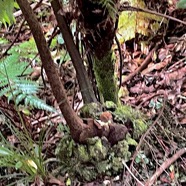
(75, 123)
(84, 82)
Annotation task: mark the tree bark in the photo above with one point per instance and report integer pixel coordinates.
(100, 29)
(75, 123)
(84, 82)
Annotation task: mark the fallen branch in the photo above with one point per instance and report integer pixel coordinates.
(164, 166)
(42, 119)
(142, 67)
(132, 8)
(146, 133)
(131, 173)
(33, 6)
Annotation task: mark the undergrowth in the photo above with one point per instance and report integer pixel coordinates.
(22, 163)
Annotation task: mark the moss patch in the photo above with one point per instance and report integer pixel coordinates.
(105, 77)
(90, 110)
(94, 160)
(124, 113)
(97, 158)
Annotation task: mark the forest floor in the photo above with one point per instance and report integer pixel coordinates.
(153, 81)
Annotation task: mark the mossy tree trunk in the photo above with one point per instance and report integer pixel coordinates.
(105, 77)
(99, 24)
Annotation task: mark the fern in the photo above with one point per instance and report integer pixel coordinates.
(16, 87)
(110, 6)
(11, 68)
(6, 13)
(27, 48)
(181, 4)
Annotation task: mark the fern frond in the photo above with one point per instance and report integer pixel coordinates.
(5, 91)
(6, 13)
(11, 67)
(3, 83)
(26, 92)
(16, 87)
(37, 103)
(110, 6)
(20, 98)
(13, 94)
(27, 86)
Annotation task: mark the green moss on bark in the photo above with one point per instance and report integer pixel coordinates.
(105, 77)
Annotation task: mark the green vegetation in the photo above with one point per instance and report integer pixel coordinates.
(15, 85)
(93, 160)
(181, 4)
(26, 159)
(6, 14)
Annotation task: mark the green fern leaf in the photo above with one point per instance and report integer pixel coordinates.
(5, 91)
(28, 87)
(3, 83)
(13, 93)
(110, 6)
(19, 98)
(38, 103)
(16, 87)
(11, 67)
(6, 13)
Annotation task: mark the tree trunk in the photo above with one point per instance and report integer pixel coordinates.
(105, 77)
(99, 24)
(82, 76)
(75, 123)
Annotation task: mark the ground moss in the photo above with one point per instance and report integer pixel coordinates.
(97, 158)
(125, 113)
(90, 110)
(94, 159)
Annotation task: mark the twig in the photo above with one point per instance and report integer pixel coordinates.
(164, 166)
(143, 66)
(13, 42)
(125, 165)
(121, 60)
(46, 118)
(82, 76)
(35, 6)
(50, 160)
(131, 8)
(146, 133)
(148, 97)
